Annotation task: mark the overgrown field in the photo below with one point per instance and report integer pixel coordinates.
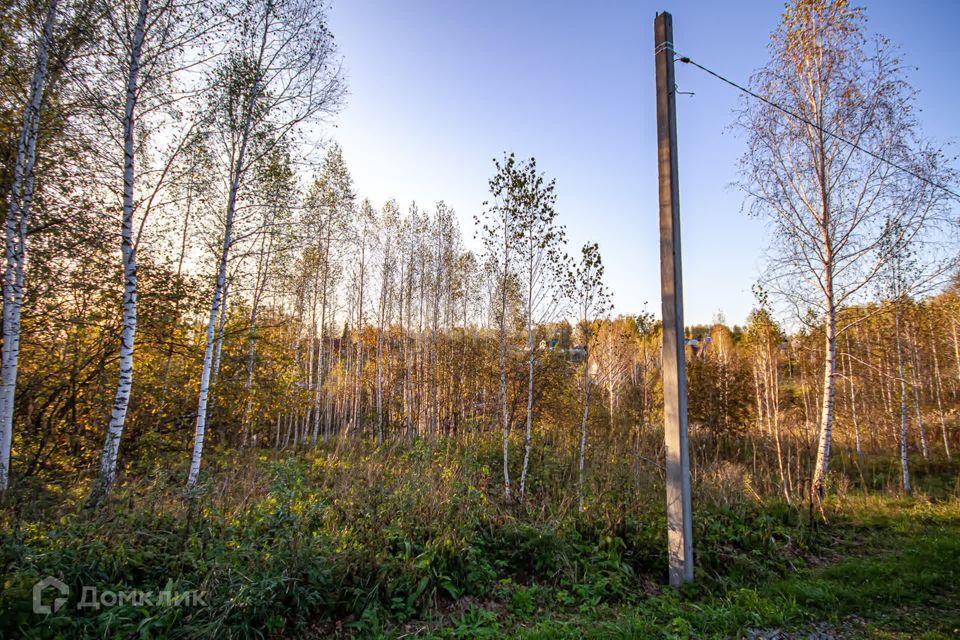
(351, 541)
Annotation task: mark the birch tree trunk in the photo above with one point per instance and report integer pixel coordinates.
(956, 353)
(503, 361)
(111, 447)
(222, 275)
(904, 463)
(325, 265)
(917, 389)
(583, 425)
(530, 365)
(18, 216)
(221, 323)
(773, 411)
(263, 268)
(408, 377)
(829, 366)
(848, 374)
(938, 387)
(382, 320)
(175, 321)
(358, 370)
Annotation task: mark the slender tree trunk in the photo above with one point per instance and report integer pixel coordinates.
(317, 401)
(357, 388)
(380, 382)
(221, 323)
(408, 356)
(263, 267)
(773, 413)
(904, 464)
(938, 387)
(583, 423)
(503, 362)
(179, 279)
(829, 372)
(915, 383)
(222, 276)
(111, 447)
(530, 366)
(956, 353)
(434, 326)
(848, 375)
(18, 217)
(382, 320)
(757, 393)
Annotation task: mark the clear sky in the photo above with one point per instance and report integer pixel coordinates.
(438, 88)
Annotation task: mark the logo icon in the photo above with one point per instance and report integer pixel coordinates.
(43, 585)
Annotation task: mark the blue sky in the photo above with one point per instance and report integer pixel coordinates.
(437, 89)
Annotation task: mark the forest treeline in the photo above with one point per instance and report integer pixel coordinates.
(258, 301)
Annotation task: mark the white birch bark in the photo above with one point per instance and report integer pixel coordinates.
(917, 389)
(222, 273)
(318, 396)
(383, 321)
(357, 390)
(848, 373)
(530, 366)
(434, 327)
(938, 387)
(583, 423)
(263, 268)
(108, 460)
(830, 335)
(407, 372)
(503, 356)
(221, 323)
(773, 410)
(18, 216)
(904, 463)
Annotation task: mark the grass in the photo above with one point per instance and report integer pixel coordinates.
(402, 544)
(894, 573)
(902, 583)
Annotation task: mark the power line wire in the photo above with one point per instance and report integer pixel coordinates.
(686, 60)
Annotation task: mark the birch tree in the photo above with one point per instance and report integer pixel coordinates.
(584, 288)
(498, 226)
(825, 200)
(277, 188)
(15, 240)
(282, 74)
(152, 33)
(389, 225)
(329, 207)
(763, 340)
(539, 245)
(895, 282)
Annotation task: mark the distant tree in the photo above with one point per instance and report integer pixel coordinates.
(498, 226)
(388, 226)
(329, 208)
(586, 291)
(539, 250)
(763, 340)
(614, 354)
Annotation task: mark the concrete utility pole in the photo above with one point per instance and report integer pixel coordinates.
(679, 519)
